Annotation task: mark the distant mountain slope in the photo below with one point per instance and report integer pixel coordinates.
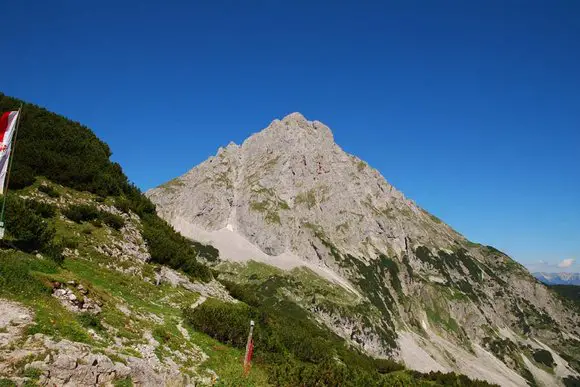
(416, 289)
(558, 278)
(571, 292)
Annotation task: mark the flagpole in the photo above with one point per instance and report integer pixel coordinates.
(10, 159)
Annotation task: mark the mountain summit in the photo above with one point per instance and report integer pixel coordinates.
(289, 181)
(415, 289)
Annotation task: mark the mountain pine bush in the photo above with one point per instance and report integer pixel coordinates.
(28, 229)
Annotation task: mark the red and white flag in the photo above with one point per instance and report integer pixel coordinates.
(7, 128)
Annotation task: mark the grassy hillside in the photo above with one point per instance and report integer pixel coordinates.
(68, 153)
(85, 255)
(132, 307)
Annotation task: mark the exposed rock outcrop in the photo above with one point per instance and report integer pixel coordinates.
(67, 363)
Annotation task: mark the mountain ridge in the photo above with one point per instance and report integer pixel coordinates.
(561, 278)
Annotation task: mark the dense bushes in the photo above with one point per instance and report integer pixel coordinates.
(449, 379)
(207, 252)
(292, 327)
(571, 381)
(226, 322)
(49, 190)
(87, 213)
(54, 251)
(295, 351)
(27, 229)
(544, 357)
(63, 151)
(67, 153)
(81, 213)
(112, 220)
(138, 203)
(45, 210)
(569, 293)
(330, 372)
(169, 248)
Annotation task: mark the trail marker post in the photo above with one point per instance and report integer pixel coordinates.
(249, 350)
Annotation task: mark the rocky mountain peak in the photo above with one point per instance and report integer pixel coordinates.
(294, 130)
(290, 196)
(295, 117)
(290, 183)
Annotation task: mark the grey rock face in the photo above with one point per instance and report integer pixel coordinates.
(291, 191)
(66, 295)
(290, 181)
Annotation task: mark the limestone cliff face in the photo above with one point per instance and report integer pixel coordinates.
(290, 191)
(283, 183)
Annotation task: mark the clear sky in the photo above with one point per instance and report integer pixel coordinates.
(471, 108)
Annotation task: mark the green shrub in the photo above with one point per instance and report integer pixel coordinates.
(544, 357)
(29, 231)
(32, 373)
(571, 381)
(89, 320)
(207, 252)
(98, 223)
(570, 293)
(448, 379)
(81, 213)
(139, 203)
(242, 292)
(126, 382)
(169, 248)
(21, 176)
(161, 334)
(54, 252)
(112, 220)
(226, 322)
(70, 243)
(87, 229)
(49, 190)
(45, 210)
(123, 205)
(294, 349)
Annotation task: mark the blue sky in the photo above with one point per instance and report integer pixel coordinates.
(471, 108)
